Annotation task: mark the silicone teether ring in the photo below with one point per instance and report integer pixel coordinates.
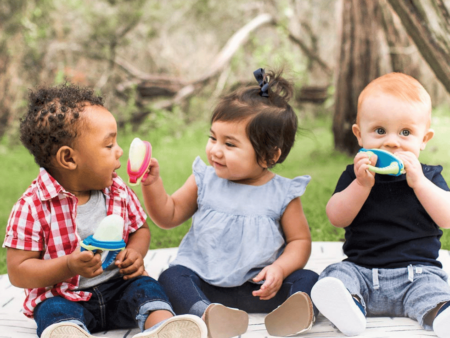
(387, 163)
(113, 248)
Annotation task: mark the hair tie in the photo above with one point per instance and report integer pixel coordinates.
(260, 76)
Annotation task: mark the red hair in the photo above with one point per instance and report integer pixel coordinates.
(399, 85)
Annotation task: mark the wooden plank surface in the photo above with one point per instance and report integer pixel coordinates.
(13, 324)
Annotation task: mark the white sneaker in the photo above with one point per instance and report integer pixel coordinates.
(225, 322)
(295, 315)
(441, 324)
(64, 330)
(183, 326)
(334, 301)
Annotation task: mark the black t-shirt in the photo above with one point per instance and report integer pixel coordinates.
(392, 229)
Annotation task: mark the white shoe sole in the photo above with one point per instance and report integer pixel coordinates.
(64, 330)
(183, 326)
(225, 322)
(294, 316)
(441, 324)
(335, 302)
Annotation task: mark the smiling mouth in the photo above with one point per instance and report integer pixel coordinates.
(216, 164)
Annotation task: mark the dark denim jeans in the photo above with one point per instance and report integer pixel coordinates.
(189, 294)
(115, 304)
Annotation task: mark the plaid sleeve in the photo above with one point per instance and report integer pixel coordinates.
(136, 214)
(24, 231)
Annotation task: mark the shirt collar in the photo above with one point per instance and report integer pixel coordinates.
(48, 187)
(118, 185)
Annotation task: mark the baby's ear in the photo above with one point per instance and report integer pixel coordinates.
(357, 132)
(277, 155)
(64, 158)
(428, 136)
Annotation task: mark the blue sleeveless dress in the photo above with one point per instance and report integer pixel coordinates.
(236, 230)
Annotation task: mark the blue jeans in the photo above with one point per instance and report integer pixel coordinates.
(115, 304)
(189, 294)
(402, 292)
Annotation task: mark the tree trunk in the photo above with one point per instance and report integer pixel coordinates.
(358, 65)
(428, 25)
(400, 45)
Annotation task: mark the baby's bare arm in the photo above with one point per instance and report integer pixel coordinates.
(168, 211)
(295, 255)
(343, 206)
(435, 200)
(27, 270)
(298, 238)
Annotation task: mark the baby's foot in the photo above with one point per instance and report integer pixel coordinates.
(64, 330)
(225, 322)
(183, 326)
(295, 315)
(441, 324)
(337, 304)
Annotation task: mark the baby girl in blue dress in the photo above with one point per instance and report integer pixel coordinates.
(249, 239)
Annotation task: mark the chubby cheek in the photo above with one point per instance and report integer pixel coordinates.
(208, 153)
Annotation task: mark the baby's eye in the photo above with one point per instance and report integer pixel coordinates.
(212, 137)
(380, 131)
(405, 132)
(110, 146)
(229, 144)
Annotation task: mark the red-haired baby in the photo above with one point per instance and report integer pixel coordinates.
(392, 223)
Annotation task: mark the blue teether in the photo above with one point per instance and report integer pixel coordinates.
(387, 163)
(107, 237)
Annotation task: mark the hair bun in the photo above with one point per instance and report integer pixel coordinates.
(280, 90)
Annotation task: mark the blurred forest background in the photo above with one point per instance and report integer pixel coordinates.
(162, 65)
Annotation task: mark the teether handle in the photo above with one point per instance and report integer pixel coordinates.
(109, 257)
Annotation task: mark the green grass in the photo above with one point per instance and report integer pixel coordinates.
(312, 154)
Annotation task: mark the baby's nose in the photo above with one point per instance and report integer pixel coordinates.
(217, 150)
(392, 141)
(119, 152)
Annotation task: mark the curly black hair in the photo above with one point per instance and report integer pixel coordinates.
(272, 124)
(53, 119)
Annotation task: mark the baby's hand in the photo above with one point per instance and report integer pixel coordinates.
(153, 173)
(413, 168)
(85, 263)
(131, 263)
(364, 177)
(273, 276)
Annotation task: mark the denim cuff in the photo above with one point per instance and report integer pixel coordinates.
(199, 308)
(359, 298)
(148, 307)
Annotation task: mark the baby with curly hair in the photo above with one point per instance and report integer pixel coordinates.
(73, 139)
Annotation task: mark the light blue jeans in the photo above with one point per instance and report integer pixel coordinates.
(403, 292)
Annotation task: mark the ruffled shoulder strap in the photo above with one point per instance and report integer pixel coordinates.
(199, 168)
(297, 188)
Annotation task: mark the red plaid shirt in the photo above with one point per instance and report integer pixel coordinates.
(43, 219)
